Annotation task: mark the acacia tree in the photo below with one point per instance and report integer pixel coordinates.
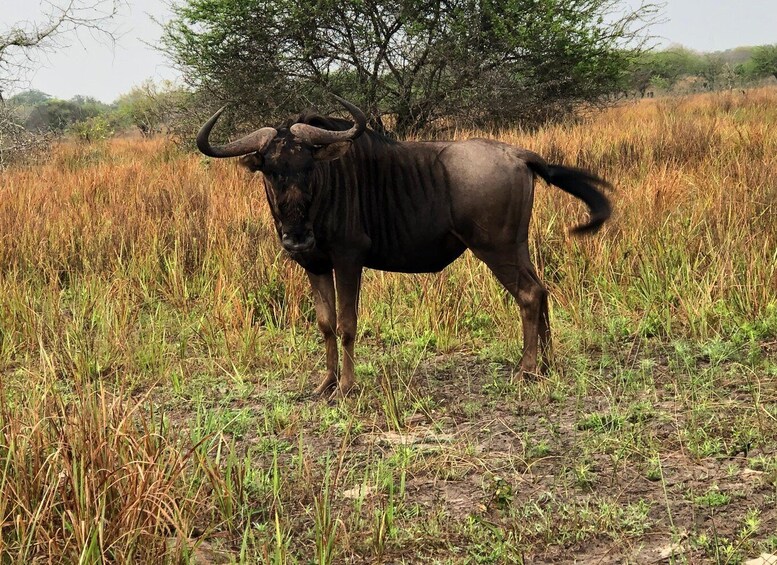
(415, 61)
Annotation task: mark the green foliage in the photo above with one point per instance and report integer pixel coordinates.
(93, 129)
(57, 116)
(664, 68)
(764, 61)
(416, 62)
(667, 69)
(149, 107)
(29, 98)
(713, 498)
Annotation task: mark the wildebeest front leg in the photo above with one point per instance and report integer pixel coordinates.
(348, 280)
(326, 316)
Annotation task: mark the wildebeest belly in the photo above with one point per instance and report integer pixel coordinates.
(427, 255)
(405, 211)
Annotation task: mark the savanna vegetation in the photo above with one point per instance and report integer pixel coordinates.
(157, 353)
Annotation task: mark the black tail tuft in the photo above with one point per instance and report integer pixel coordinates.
(583, 185)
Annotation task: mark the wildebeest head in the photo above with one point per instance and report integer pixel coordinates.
(286, 157)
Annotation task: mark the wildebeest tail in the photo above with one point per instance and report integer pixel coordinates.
(580, 184)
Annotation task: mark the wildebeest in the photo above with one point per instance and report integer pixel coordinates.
(344, 197)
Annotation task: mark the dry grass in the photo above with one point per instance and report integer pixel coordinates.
(89, 479)
(136, 279)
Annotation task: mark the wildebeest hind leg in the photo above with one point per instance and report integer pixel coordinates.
(512, 266)
(326, 316)
(546, 343)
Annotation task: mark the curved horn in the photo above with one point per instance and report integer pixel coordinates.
(256, 141)
(319, 136)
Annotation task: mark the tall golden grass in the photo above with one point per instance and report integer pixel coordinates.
(693, 236)
(138, 264)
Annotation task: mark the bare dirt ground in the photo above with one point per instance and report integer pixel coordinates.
(646, 466)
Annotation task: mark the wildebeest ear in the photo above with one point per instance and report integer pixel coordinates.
(253, 161)
(331, 151)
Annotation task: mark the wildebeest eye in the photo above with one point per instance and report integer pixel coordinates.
(253, 161)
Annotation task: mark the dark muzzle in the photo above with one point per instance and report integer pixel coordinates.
(298, 242)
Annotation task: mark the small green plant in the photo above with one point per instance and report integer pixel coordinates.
(713, 498)
(539, 450)
(653, 470)
(751, 524)
(764, 463)
(499, 493)
(584, 475)
(601, 422)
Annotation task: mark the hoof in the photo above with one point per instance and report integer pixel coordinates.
(545, 366)
(326, 385)
(341, 392)
(529, 374)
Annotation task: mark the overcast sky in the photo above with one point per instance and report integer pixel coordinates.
(90, 67)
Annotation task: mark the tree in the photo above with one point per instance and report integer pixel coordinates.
(20, 42)
(149, 106)
(92, 129)
(640, 74)
(29, 98)
(670, 65)
(411, 61)
(764, 61)
(57, 116)
(16, 142)
(715, 71)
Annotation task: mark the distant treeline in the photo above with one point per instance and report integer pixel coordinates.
(681, 70)
(147, 108)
